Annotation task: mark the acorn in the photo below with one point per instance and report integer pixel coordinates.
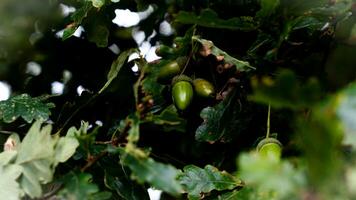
(168, 71)
(182, 91)
(203, 88)
(270, 147)
(164, 51)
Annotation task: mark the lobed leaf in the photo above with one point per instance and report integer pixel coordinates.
(78, 186)
(221, 122)
(284, 180)
(36, 158)
(159, 175)
(267, 8)
(29, 108)
(286, 91)
(197, 181)
(209, 18)
(170, 120)
(9, 187)
(239, 64)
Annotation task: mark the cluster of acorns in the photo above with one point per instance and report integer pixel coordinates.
(183, 87)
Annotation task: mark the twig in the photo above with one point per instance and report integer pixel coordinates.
(92, 160)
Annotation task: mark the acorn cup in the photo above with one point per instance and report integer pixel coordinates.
(182, 92)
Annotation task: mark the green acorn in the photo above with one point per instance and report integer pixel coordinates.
(164, 51)
(182, 92)
(168, 71)
(270, 147)
(203, 88)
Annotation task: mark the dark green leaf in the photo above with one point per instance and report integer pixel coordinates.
(209, 18)
(99, 34)
(78, 186)
(159, 175)
(77, 18)
(170, 120)
(240, 65)
(68, 32)
(101, 196)
(116, 67)
(245, 193)
(307, 22)
(124, 187)
(150, 84)
(286, 91)
(220, 122)
(197, 181)
(26, 107)
(267, 8)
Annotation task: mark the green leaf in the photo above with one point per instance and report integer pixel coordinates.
(66, 147)
(336, 9)
(36, 162)
(267, 8)
(197, 181)
(160, 176)
(26, 107)
(221, 122)
(286, 91)
(68, 32)
(307, 22)
(124, 187)
(169, 119)
(99, 35)
(209, 18)
(78, 186)
(101, 196)
(9, 188)
(116, 67)
(270, 175)
(6, 157)
(240, 65)
(36, 158)
(150, 84)
(134, 132)
(245, 193)
(77, 17)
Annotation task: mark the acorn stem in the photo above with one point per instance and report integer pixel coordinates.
(268, 120)
(187, 62)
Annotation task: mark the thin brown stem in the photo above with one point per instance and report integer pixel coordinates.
(92, 160)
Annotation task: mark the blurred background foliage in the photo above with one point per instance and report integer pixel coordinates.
(303, 55)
